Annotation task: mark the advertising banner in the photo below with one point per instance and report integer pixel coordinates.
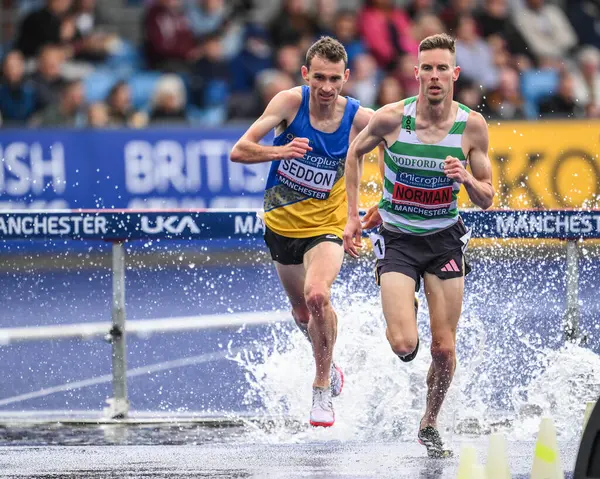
(535, 165)
(115, 225)
(541, 165)
(140, 169)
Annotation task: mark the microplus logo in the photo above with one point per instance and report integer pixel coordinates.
(169, 224)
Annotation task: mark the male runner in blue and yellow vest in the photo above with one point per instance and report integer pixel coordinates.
(428, 140)
(305, 200)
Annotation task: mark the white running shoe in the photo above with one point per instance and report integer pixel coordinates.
(336, 379)
(322, 413)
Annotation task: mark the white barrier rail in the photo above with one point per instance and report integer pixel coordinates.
(141, 327)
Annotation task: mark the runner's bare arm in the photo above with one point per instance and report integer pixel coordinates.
(382, 123)
(361, 120)
(372, 218)
(282, 107)
(479, 183)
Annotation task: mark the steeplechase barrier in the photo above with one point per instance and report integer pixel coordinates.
(121, 226)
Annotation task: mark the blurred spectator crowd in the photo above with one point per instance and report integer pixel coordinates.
(212, 62)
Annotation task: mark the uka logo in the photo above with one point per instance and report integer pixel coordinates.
(169, 224)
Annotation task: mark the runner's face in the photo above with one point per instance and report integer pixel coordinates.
(436, 74)
(325, 79)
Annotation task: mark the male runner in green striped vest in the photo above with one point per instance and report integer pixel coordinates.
(427, 142)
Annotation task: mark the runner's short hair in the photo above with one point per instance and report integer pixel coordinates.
(441, 41)
(329, 49)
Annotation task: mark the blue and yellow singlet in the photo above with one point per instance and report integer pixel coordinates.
(307, 197)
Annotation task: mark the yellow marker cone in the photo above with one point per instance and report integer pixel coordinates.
(546, 459)
(497, 466)
(589, 407)
(468, 458)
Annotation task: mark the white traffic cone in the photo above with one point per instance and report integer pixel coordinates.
(478, 471)
(546, 459)
(468, 458)
(496, 466)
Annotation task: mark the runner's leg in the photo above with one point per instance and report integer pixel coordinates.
(323, 263)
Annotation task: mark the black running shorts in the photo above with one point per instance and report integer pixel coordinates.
(286, 250)
(441, 253)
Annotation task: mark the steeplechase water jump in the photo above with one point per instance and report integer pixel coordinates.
(334, 291)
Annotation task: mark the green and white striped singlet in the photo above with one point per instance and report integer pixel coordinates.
(418, 198)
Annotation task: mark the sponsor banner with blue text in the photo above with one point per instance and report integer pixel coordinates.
(140, 169)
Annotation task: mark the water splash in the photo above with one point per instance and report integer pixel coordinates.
(569, 379)
(512, 367)
(383, 398)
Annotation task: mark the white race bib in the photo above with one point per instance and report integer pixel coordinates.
(307, 179)
(465, 240)
(378, 245)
